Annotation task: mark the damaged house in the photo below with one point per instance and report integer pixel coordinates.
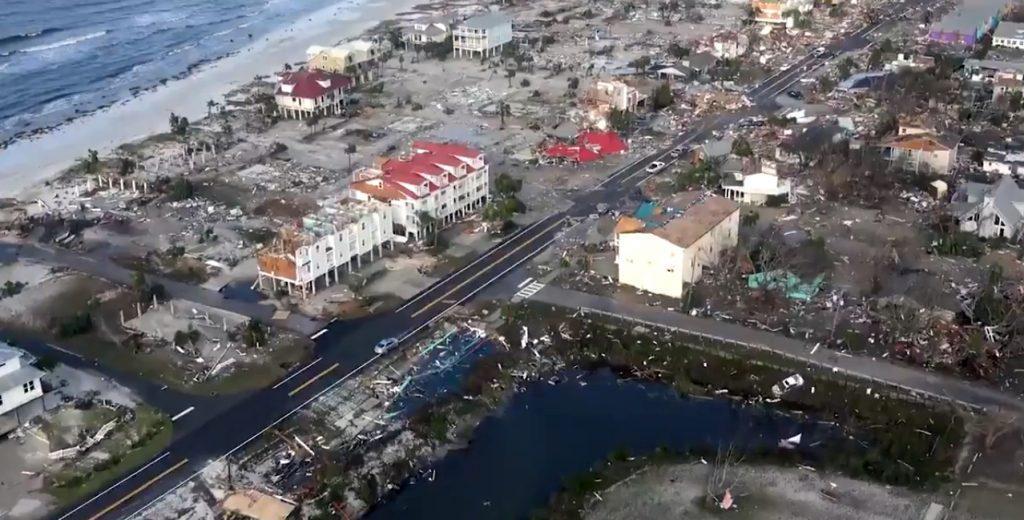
(426, 31)
(326, 242)
(758, 188)
(660, 249)
(989, 210)
(305, 93)
(922, 152)
(442, 181)
(357, 59)
(603, 97)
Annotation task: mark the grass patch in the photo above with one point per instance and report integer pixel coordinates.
(154, 434)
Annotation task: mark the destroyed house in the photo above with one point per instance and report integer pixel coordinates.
(589, 146)
(661, 248)
(445, 181)
(325, 244)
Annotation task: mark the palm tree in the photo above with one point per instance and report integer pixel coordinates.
(91, 162)
(503, 110)
(349, 150)
(210, 105)
(312, 122)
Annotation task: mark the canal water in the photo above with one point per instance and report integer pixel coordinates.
(548, 433)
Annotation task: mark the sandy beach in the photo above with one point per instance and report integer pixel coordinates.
(28, 163)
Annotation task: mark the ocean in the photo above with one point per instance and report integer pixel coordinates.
(60, 59)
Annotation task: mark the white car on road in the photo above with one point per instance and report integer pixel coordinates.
(655, 167)
(385, 345)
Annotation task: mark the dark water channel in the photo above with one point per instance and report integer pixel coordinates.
(548, 433)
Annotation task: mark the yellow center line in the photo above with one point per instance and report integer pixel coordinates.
(311, 381)
(138, 490)
(480, 272)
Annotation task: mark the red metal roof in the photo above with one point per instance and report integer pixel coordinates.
(590, 146)
(453, 149)
(421, 166)
(311, 84)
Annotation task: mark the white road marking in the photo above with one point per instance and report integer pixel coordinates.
(529, 290)
(122, 481)
(297, 372)
(319, 333)
(526, 281)
(478, 260)
(183, 413)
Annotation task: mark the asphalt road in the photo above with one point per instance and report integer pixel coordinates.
(222, 426)
(935, 385)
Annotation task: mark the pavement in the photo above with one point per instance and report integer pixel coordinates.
(934, 385)
(345, 348)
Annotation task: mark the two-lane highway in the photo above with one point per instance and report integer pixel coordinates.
(346, 348)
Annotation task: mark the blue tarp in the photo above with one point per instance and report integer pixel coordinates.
(794, 287)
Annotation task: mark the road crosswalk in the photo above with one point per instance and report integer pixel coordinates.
(528, 288)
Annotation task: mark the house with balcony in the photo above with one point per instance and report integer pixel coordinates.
(759, 188)
(482, 36)
(20, 387)
(304, 93)
(323, 245)
(922, 152)
(357, 59)
(445, 181)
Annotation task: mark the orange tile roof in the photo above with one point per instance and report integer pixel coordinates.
(924, 143)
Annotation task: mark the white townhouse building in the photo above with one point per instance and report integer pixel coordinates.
(665, 249)
(446, 181)
(20, 385)
(484, 35)
(1009, 34)
(325, 244)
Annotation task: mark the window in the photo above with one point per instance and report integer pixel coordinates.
(29, 387)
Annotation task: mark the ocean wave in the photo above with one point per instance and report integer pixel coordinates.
(28, 36)
(64, 43)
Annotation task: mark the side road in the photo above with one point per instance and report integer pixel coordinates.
(102, 267)
(940, 386)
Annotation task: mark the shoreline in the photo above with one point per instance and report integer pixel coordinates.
(27, 164)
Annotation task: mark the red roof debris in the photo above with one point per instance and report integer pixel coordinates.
(590, 146)
(311, 84)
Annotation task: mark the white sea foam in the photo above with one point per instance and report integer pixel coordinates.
(64, 43)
